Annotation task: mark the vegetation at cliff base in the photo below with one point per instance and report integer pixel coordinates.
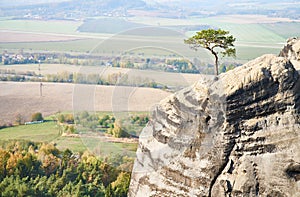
(40, 169)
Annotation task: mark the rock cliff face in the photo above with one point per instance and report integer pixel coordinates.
(235, 135)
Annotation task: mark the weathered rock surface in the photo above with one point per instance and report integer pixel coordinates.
(291, 50)
(237, 135)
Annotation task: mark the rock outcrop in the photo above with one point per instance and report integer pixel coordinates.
(291, 50)
(234, 135)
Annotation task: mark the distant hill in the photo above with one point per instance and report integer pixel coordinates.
(14, 3)
(77, 9)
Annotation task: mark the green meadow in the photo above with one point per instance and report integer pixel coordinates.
(94, 141)
(45, 132)
(49, 132)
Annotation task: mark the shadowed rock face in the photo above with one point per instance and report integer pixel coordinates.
(235, 135)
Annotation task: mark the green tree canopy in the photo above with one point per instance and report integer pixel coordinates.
(211, 39)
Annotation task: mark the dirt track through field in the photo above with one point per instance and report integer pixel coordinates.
(24, 98)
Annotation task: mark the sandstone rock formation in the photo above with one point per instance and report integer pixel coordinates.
(235, 135)
(291, 50)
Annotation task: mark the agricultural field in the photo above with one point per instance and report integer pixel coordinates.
(25, 99)
(14, 37)
(253, 40)
(107, 25)
(58, 27)
(74, 45)
(142, 42)
(49, 132)
(257, 34)
(286, 30)
(164, 78)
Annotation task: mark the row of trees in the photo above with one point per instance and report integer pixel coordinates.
(34, 169)
(105, 123)
(135, 62)
(19, 59)
(169, 65)
(123, 127)
(19, 119)
(80, 78)
(181, 66)
(111, 79)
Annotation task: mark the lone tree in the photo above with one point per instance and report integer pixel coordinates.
(211, 39)
(37, 117)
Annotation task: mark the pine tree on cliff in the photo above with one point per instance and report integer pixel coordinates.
(211, 39)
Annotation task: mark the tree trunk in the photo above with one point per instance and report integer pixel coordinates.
(216, 63)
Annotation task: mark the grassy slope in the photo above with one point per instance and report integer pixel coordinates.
(45, 132)
(49, 132)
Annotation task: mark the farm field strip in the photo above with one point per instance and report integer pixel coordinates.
(24, 98)
(118, 37)
(9, 36)
(257, 30)
(73, 35)
(116, 47)
(140, 38)
(40, 26)
(166, 78)
(259, 38)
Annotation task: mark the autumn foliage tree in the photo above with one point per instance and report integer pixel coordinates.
(35, 169)
(37, 117)
(212, 40)
(118, 130)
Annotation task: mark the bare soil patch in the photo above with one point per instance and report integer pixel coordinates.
(13, 37)
(24, 98)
